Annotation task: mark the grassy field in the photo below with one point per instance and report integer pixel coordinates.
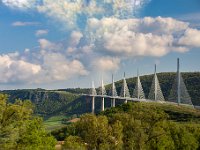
(54, 122)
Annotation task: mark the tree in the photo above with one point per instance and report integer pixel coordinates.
(136, 126)
(95, 131)
(74, 143)
(117, 135)
(19, 129)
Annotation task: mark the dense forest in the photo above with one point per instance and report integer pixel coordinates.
(70, 101)
(135, 126)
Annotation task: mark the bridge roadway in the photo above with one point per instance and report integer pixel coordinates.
(124, 98)
(129, 99)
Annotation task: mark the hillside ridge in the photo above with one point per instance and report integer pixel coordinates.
(50, 102)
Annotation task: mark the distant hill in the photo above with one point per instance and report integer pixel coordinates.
(70, 101)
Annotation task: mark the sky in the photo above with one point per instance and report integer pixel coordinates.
(57, 44)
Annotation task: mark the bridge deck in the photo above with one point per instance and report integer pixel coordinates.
(137, 100)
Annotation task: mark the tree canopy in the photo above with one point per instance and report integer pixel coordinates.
(19, 129)
(134, 126)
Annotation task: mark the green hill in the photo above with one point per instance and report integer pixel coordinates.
(70, 101)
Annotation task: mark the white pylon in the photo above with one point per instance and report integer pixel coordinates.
(179, 93)
(93, 90)
(138, 91)
(113, 92)
(125, 91)
(102, 92)
(155, 91)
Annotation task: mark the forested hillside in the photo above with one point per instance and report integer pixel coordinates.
(48, 103)
(70, 101)
(135, 126)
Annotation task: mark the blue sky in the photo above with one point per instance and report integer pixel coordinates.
(60, 44)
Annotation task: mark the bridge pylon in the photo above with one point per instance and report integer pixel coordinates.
(125, 91)
(102, 93)
(113, 92)
(138, 91)
(155, 91)
(179, 93)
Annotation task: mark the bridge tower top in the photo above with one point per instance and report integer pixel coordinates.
(138, 91)
(102, 89)
(124, 90)
(113, 91)
(93, 90)
(155, 91)
(179, 93)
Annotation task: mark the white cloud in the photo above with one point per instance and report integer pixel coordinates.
(68, 12)
(41, 32)
(142, 37)
(45, 65)
(75, 38)
(102, 45)
(104, 64)
(46, 45)
(56, 67)
(127, 44)
(20, 23)
(14, 70)
(62, 10)
(20, 4)
(74, 41)
(190, 38)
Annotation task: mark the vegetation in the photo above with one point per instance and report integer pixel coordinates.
(131, 126)
(135, 126)
(70, 101)
(19, 129)
(59, 121)
(50, 103)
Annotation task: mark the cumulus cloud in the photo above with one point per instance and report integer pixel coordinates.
(75, 38)
(41, 32)
(68, 12)
(56, 67)
(20, 23)
(15, 71)
(190, 38)
(105, 64)
(46, 45)
(47, 64)
(20, 4)
(142, 37)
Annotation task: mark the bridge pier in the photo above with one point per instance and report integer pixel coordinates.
(178, 83)
(112, 102)
(125, 101)
(102, 104)
(93, 104)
